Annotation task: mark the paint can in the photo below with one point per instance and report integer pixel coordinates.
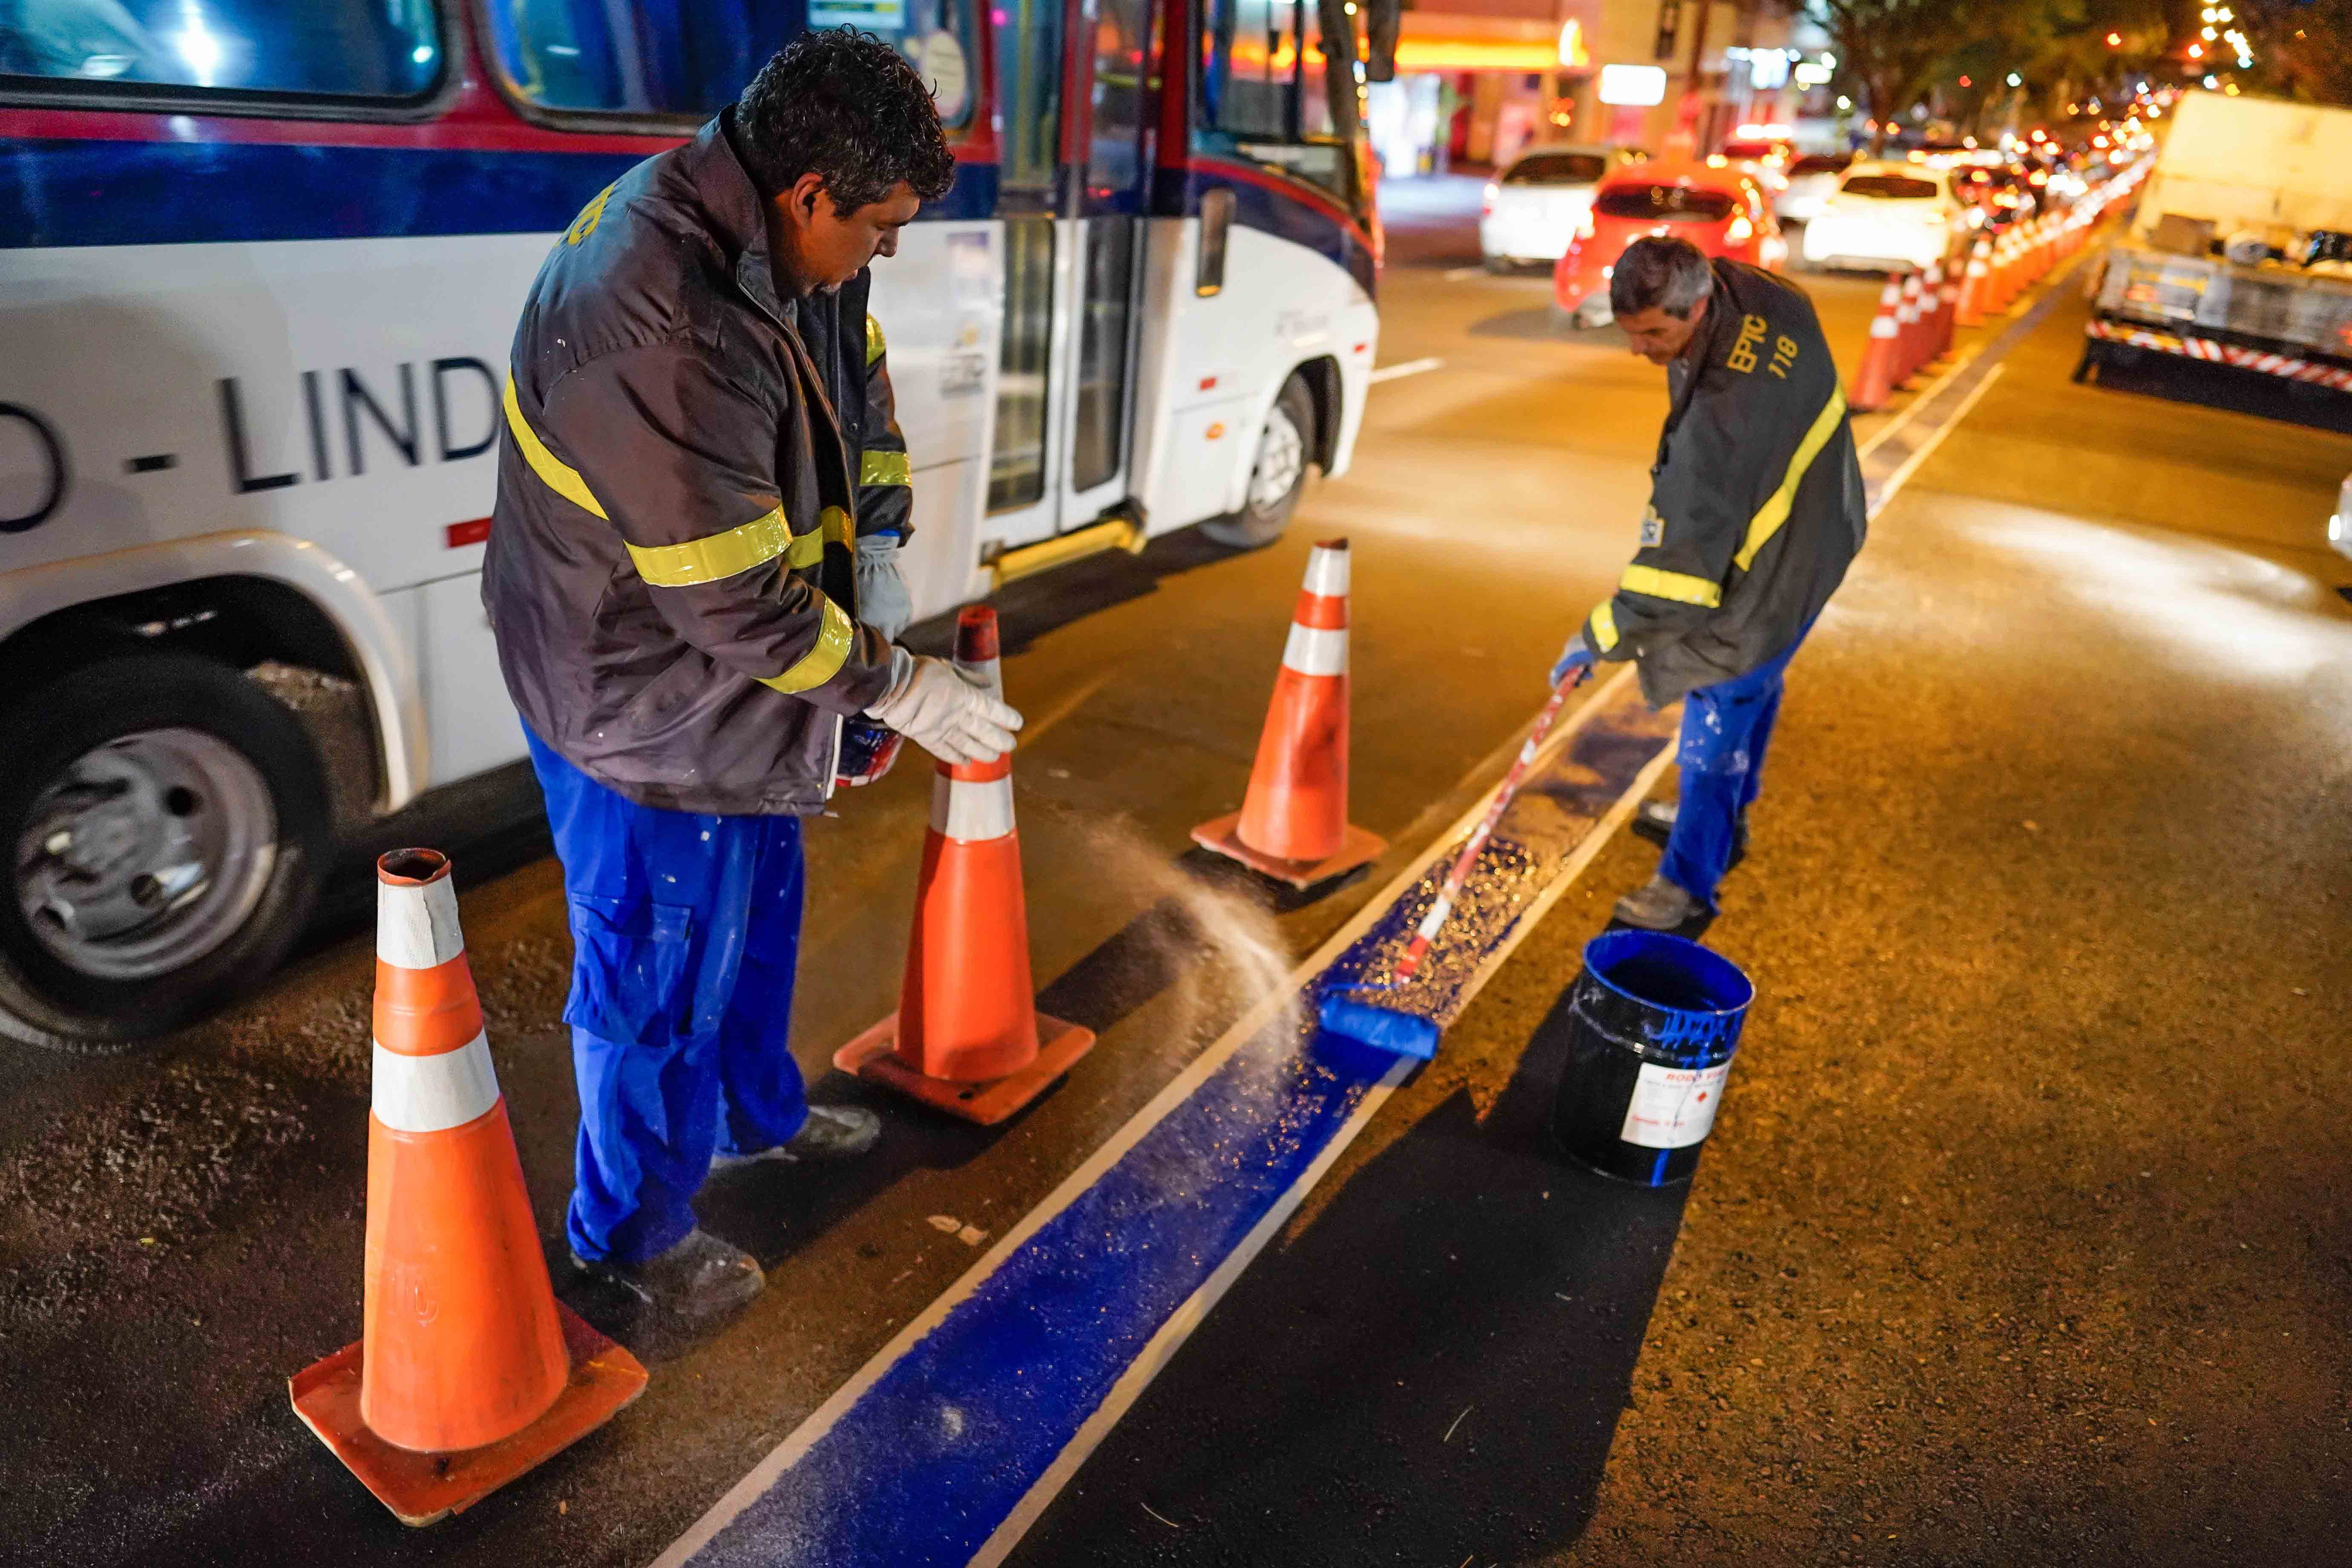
(1654, 1020)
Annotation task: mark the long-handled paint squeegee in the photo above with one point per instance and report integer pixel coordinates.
(1393, 1029)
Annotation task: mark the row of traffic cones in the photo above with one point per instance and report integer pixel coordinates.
(1918, 313)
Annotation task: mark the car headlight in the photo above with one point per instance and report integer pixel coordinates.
(1584, 224)
(1740, 232)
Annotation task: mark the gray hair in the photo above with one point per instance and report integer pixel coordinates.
(1661, 272)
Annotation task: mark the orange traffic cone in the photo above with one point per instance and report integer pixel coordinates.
(1975, 287)
(1943, 287)
(2004, 271)
(1909, 352)
(1293, 824)
(468, 1371)
(967, 1038)
(1875, 379)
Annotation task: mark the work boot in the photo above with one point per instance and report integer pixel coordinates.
(1658, 905)
(831, 1132)
(1654, 820)
(700, 1276)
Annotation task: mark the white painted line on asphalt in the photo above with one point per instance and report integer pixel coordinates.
(822, 1420)
(1895, 480)
(1456, 274)
(1164, 1344)
(1927, 394)
(1410, 367)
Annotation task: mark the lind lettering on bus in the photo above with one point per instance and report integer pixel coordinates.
(364, 402)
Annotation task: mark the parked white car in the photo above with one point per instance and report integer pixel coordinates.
(1812, 178)
(1531, 209)
(1886, 216)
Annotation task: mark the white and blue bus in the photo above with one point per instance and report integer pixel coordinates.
(259, 267)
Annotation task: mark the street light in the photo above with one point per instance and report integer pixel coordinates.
(2015, 79)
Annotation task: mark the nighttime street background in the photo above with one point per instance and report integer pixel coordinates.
(2022, 1235)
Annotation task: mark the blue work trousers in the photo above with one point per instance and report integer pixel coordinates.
(684, 933)
(1726, 729)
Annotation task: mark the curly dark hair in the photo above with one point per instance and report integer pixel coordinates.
(846, 106)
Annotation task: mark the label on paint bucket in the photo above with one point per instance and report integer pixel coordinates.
(1674, 1108)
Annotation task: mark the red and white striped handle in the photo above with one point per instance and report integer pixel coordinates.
(1415, 950)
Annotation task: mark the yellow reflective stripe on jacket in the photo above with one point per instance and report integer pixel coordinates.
(822, 662)
(1775, 511)
(1604, 628)
(717, 557)
(1680, 586)
(875, 345)
(559, 477)
(882, 468)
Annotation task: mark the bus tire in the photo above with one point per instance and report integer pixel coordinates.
(1285, 445)
(201, 810)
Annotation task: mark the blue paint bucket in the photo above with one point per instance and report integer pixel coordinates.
(1652, 1022)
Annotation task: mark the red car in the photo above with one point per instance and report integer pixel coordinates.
(1716, 205)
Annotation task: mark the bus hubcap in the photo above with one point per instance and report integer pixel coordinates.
(146, 853)
(1281, 457)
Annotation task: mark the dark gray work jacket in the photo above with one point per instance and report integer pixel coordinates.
(1756, 502)
(687, 460)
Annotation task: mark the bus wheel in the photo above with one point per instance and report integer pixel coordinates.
(1278, 477)
(165, 822)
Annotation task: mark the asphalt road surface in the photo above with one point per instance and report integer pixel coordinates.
(2022, 1235)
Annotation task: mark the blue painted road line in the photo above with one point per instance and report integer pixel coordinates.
(952, 1439)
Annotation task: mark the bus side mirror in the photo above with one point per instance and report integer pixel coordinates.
(1382, 21)
(1216, 222)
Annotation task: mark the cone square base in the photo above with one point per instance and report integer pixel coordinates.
(1357, 848)
(873, 1055)
(421, 1488)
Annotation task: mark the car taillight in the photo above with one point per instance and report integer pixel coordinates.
(1486, 201)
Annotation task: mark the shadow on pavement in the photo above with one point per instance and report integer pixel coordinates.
(1459, 1332)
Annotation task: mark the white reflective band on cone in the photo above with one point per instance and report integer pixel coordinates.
(1327, 572)
(433, 1094)
(1313, 651)
(971, 811)
(417, 928)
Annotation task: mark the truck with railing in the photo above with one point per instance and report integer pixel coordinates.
(2240, 252)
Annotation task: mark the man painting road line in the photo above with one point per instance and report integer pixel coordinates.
(1756, 511)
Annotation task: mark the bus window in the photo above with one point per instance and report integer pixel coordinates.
(1264, 96)
(690, 61)
(311, 48)
(1029, 74)
(1122, 42)
(1016, 470)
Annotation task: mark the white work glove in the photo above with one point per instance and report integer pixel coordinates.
(882, 602)
(934, 705)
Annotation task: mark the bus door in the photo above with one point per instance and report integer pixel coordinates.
(1069, 75)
